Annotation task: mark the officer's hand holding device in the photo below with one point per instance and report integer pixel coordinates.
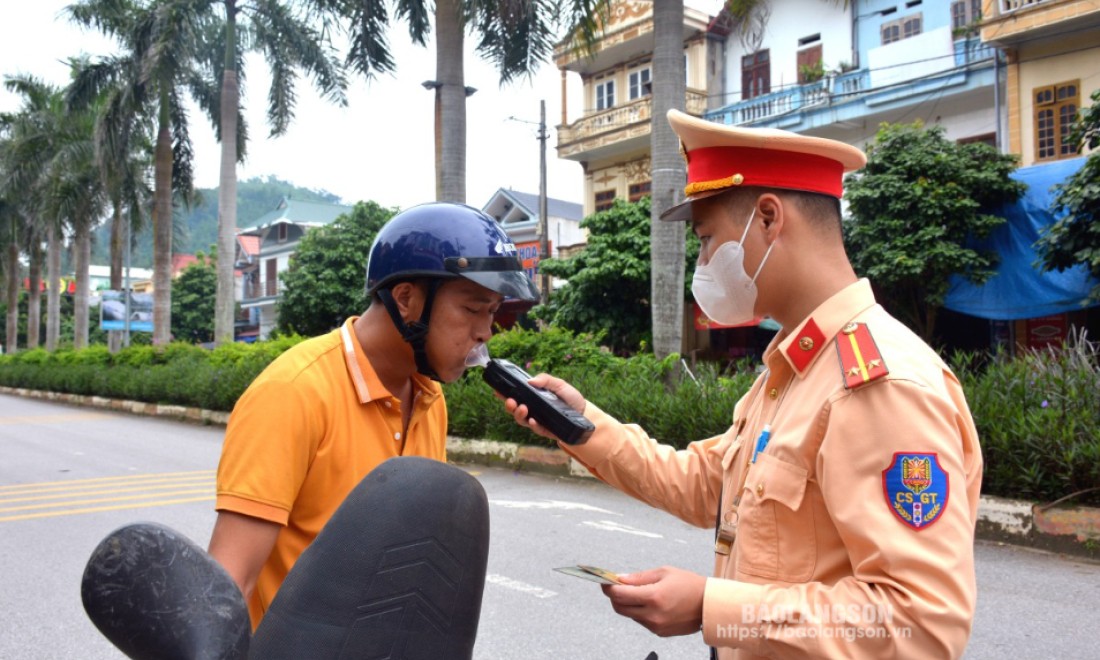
(544, 406)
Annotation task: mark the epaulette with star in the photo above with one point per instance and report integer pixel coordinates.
(860, 360)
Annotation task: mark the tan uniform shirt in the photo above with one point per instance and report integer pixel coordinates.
(852, 532)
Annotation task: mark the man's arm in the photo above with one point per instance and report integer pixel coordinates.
(242, 544)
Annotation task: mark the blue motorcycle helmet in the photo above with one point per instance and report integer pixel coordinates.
(437, 242)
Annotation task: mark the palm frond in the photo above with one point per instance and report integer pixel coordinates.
(369, 51)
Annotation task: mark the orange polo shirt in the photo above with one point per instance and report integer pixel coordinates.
(305, 433)
(852, 530)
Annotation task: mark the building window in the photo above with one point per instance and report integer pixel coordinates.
(640, 83)
(1055, 112)
(810, 65)
(902, 28)
(605, 199)
(755, 75)
(639, 190)
(605, 94)
(281, 232)
(271, 268)
(985, 138)
(965, 13)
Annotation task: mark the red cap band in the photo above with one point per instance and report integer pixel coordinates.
(712, 168)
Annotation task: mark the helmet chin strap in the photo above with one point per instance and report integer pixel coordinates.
(415, 332)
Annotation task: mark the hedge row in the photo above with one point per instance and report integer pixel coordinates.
(1038, 415)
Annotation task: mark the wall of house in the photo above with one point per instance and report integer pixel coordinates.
(615, 176)
(695, 74)
(787, 23)
(872, 14)
(565, 232)
(1070, 57)
(268, 319)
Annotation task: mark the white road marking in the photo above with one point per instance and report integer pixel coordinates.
(523, 587)
(610, 526)
(551, 504)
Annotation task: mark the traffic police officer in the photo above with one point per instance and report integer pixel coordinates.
(845, 492)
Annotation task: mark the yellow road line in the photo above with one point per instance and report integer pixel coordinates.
(91, 488)
(121, 478)
(95, 509)
(52, 419)
(205, 481)
(55, 505)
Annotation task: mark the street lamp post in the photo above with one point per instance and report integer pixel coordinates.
(544, 225)
(543, 228)
(126, 287)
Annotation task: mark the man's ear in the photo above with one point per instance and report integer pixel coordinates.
(772, 214)
(409, 299)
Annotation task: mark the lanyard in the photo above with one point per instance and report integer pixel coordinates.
(726, 529)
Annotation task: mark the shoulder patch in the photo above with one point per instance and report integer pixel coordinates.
(916, 489)
(860, 360)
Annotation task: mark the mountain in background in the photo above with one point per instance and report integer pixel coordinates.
(196, 229)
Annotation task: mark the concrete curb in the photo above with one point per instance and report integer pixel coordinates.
(1068, 529)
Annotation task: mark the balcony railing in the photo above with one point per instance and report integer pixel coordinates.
(971, 50)
(831, 89)
(1009, 6)
(262, 289)
(777, 104)
(621, 116)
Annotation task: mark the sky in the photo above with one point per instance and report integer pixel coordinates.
(379, 148)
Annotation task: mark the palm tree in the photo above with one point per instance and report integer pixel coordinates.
(54, 162)
(77, 194)
(668, 176)
(288, 42)
(162, 44)
(33, 136)
(34, 284)
(514, 36)
(123, 157)
(11, 230)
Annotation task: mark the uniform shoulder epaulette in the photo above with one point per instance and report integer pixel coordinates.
(860, 360)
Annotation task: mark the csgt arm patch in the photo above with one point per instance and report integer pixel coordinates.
(916, 488)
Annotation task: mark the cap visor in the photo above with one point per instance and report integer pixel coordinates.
(682, 212)
(510, 284)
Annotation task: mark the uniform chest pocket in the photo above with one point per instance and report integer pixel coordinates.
(776, 538)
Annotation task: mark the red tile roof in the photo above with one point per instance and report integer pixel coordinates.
(249, 244)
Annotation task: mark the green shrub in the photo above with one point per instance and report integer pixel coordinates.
(178, 373)
(95, 355)
(696, 406)
(136, 356)
(1038, 420)
(1038, 415)
(551, 349)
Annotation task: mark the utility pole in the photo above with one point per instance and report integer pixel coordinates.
(127, 290)
(544, 225)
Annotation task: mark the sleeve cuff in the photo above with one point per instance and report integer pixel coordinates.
(594, 451)
(728, 613)
(244, 506)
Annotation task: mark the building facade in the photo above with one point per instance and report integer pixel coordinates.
(1051, 53)
(1052, 66)
(279, 232)
(611, 138)
(839, 70)
(518, 214)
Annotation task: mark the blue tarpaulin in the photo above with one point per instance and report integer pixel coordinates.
(1020, 289)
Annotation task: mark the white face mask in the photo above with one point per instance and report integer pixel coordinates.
(723, 289)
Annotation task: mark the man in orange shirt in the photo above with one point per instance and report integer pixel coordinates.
(329, 410)
(845, 494)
